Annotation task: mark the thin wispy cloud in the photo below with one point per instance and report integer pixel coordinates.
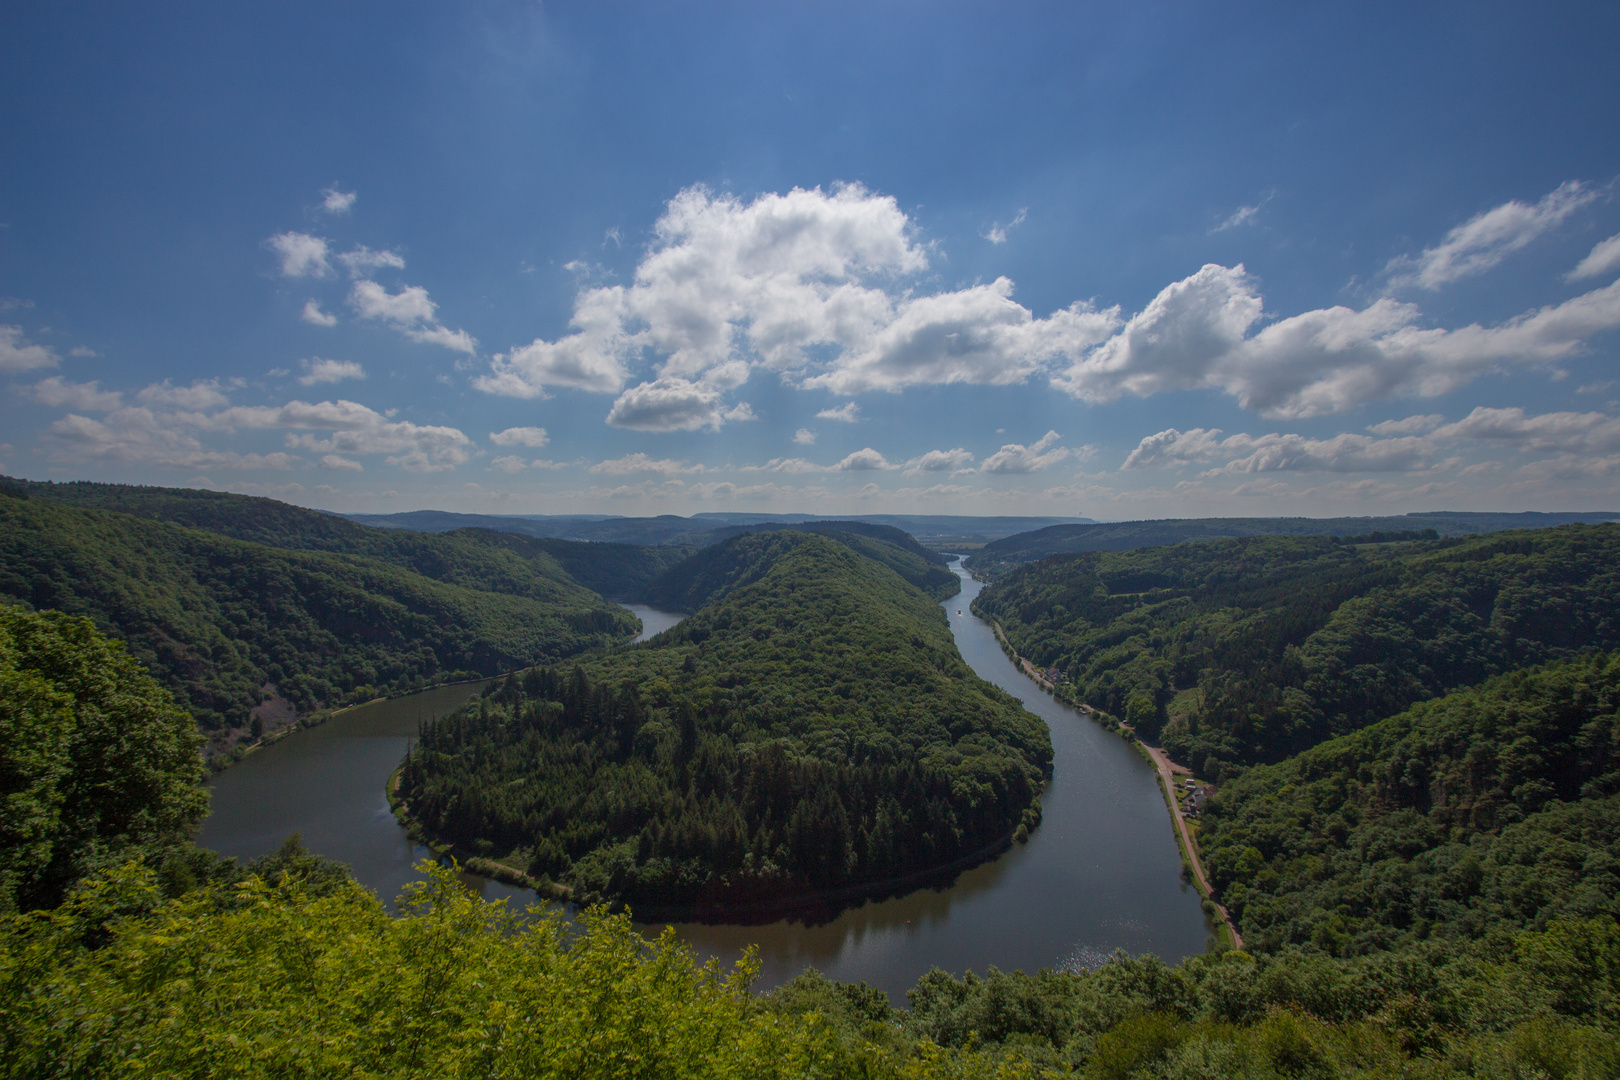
(1483, 241)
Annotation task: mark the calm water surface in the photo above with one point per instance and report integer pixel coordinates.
(1101, 873)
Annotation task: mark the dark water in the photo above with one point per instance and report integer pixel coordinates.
(1101, 873)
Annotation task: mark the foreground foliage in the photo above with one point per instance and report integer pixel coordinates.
(812, 727)
(1252, 650)
(96, 761)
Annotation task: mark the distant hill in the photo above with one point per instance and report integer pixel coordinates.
(716, 570)
(221, 621)
(932, 531)
(1249, 650)
(999, 556)
(811, 727)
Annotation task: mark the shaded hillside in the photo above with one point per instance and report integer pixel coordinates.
(218, 619)
(1482, 813)
(1250, 650)
(811, 728)
(887, 533)
(480, 558)
(713, 571)
(998, 557)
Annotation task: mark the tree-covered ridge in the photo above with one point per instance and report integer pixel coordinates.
(472, 557)
(898, 537)
(712, 572)
(1469, 817)
(1254, 649)
(813, 728)
(1001, 556)
(217, 619)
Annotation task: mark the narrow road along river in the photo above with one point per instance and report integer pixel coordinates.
(1101, 873)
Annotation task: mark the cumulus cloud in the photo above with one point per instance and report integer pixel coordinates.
(520, 436)
(847, 413)
(863, 460)
(939, 461)
(1016, 458)
(317, 370)
(1480, 243)
(1194, 335)
(1562, 432)
(788, 465)
(804, 437)
(509, 463)
(673, 404)
(18, 354)
(334, 201)
(352, 428)
(200, 395)
(338, 461)
(1604, 258)
(85, 397)
(362, 260)
(313, 314)
(1246, 453)
(136, 435)
(642, 463)
(1411, 425)
(810, 283)
(302, 255)
(410, 311)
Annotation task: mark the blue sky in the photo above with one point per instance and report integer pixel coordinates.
(1127, 260)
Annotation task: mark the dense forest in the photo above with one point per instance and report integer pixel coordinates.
(812, 726)
(1432, 896)
(227, 623)
(1000, 556)
(1251, 650)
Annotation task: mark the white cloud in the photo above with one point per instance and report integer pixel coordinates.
(313, 314)
(863, 460)
(334, 201)
(200, 395)
(1193, 336)
(587, 360)
(362, 259)
(509, 463)
(337, 461)
(81, 351)
(1604, 258)
(939, 461)
(976, 335)
(17, 354)
(1562, 432)
(641, 463)
(847, 413)
(138, 436)
(317, 370)
(1243, 215)
(788, 465)
(1411, 425)
(1281, 453)
(804, 437)
(1485, 240)
(302, 255)
(520, 436)
(86, 397)
(410, 311)
(668, 404)
(1016, 458)
(997, 233)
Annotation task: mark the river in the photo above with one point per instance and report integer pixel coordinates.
(1101, 873)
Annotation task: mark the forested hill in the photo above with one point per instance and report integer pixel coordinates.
(1000, 556)
(899, 538)
(1250, 650)
(713, 571)
(219, 620)
(475, 557)
(813, 727)
(1466, 819)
